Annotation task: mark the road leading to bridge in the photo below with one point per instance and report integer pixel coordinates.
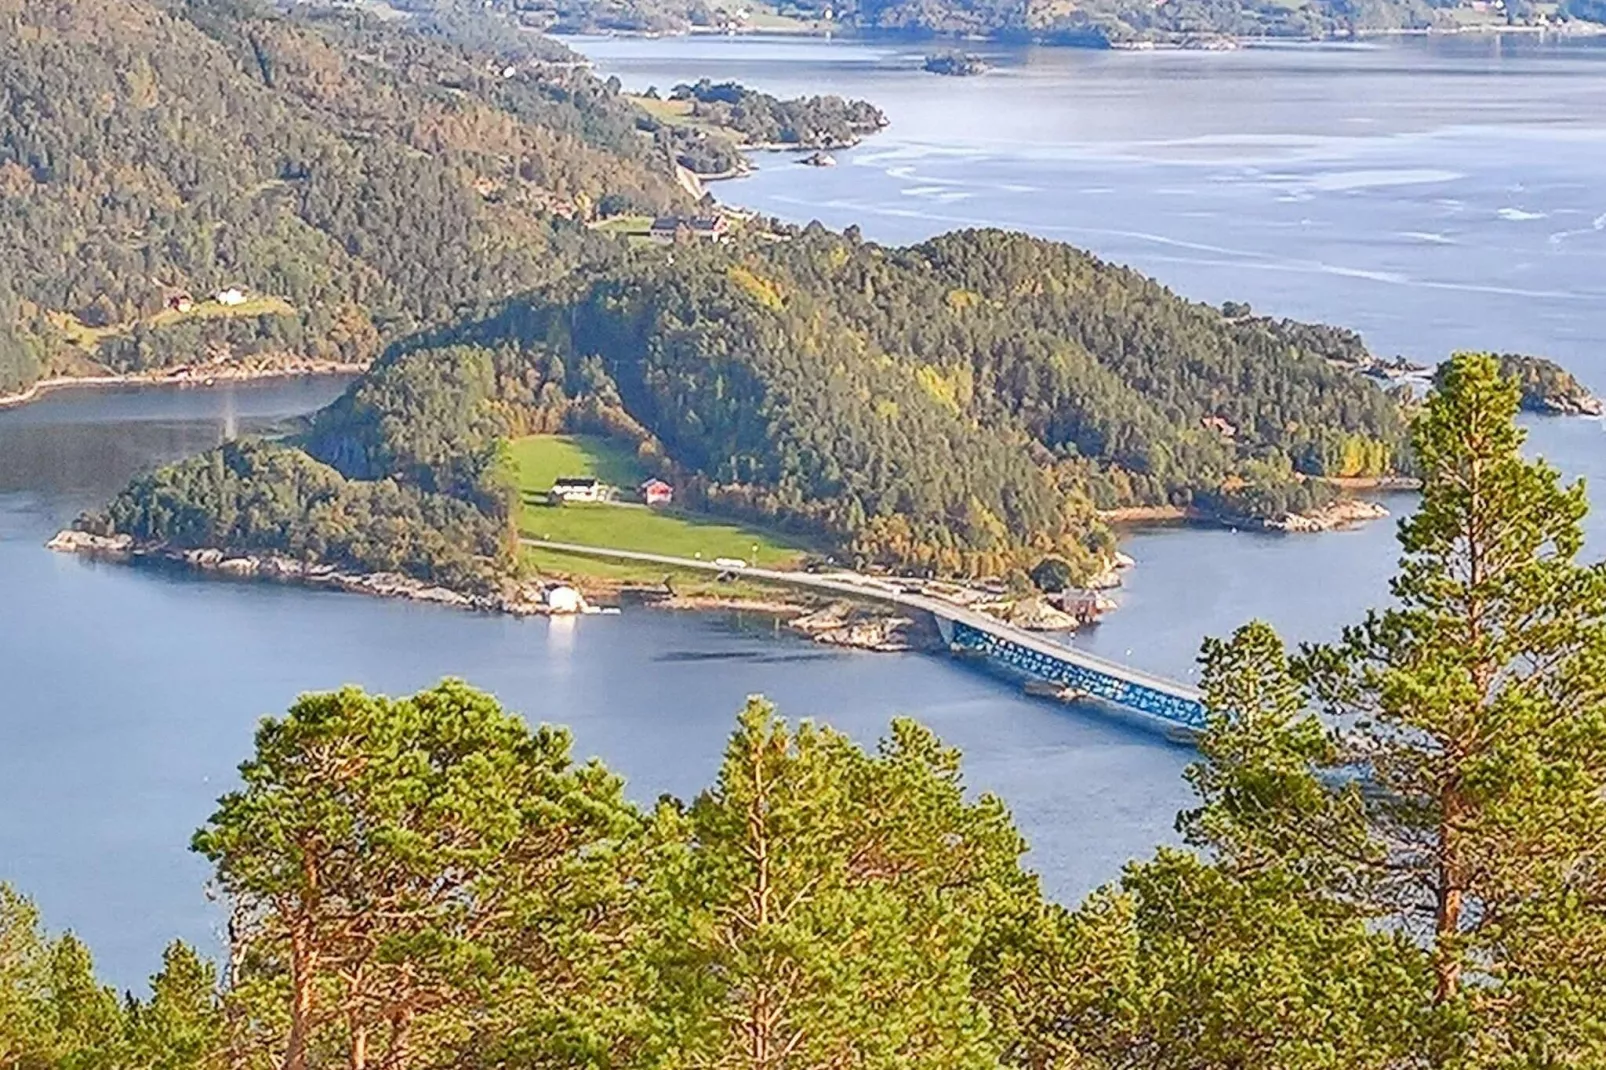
(1023, 650)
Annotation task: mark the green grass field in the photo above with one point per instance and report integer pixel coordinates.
(80, 334)
(679, 113)
(541, 459)
(633, 226)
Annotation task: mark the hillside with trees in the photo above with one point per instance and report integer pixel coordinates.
(959, 406)
(363, 176)
(966, 406)
(1395, 863)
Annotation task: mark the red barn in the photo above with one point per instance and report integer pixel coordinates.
(657, 492)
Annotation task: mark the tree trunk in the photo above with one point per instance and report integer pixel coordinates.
(1447, 913)
(359, 1045)
(761, 1015)
(303, 968)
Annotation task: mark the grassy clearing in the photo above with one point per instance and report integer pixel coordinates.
(635, 527)
(84, 336)
(623, 573)
(679, 113)
(765, 17)
(665, 111)
(79, 333)
(632, 226)
(541, 459)
(213, 310)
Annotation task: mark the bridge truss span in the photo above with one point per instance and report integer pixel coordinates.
(1156, 698)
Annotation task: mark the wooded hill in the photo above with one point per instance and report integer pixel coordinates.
(369, 176)
(965, 405)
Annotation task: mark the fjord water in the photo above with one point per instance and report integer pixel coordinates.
(131, 693)
(1435, 195)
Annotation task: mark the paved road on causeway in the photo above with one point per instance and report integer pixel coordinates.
(855, 585)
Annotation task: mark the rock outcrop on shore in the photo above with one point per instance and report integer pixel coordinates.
(845, 624)
(1038, 615)
(1344, 513)
(517, 599)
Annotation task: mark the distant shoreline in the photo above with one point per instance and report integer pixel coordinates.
(202, 376)
(1204, 41)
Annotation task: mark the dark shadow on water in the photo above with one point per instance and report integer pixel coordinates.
(750, 657)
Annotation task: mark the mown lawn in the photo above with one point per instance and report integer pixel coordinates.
(541, 459)
(544, 459)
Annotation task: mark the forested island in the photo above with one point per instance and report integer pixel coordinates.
(963, 407)
(955, 64)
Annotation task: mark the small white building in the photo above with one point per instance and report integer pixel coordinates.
(579, 489)
(230, 297)
(561, 598)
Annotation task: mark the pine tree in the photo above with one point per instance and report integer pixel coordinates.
(819, 906)
(1456, 790)
(405, 874)
(181, 1026)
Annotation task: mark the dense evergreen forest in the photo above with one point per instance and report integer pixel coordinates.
(1395, 863)
(356, 177)
(965, 406)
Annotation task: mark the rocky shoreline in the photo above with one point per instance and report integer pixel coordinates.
(845, 624)
(523, 601)
(1344, 513)
(186, 375)
(838, 624)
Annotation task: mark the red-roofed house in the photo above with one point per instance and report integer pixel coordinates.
(657, 492)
